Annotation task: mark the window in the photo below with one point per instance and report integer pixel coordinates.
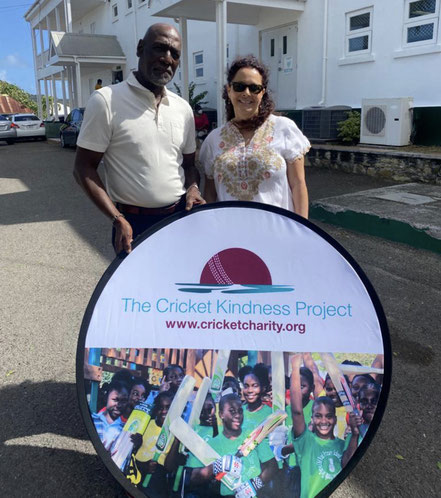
(92, 28)
(358, 32)
(420, 22)
(272, 47)
(129, 4)
(198, 62)
(115, 11)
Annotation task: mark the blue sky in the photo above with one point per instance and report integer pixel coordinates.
(16, 61)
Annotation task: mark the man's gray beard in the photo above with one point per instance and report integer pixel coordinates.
(161, 81)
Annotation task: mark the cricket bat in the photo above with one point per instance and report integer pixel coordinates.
(207, 455)
(340, 384)
(278, 384)
(220, 368)
(137, 423)
(261, 432)
(174, 412)
(193, 421)
(360, 369)
(278, 380)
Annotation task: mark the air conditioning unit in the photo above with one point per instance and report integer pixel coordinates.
(321, 123)
(386, 121)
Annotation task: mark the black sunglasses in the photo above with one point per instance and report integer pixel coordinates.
(241, 87)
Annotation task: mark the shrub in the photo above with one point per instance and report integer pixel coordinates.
(349, 129)
(194, 99)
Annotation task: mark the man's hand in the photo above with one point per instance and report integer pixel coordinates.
(194, 197)
(123, 235)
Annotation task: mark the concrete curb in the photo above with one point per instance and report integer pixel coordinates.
(405, 213)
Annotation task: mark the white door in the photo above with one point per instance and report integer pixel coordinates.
(279, 53)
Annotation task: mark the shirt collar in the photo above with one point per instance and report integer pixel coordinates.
(132, 81)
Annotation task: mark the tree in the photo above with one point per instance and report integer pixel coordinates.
(194, 100)
(17, 94)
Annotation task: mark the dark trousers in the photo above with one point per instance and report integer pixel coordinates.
(141, 222)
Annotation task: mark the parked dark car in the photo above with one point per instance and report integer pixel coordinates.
(71, 128)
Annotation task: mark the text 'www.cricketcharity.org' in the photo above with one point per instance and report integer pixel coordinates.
(270, 326)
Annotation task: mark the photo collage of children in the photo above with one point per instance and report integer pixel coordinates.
(183, 422)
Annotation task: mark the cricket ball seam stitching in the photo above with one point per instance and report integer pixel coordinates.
(214, 272)
(221, 270)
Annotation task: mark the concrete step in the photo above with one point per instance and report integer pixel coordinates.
(409, 213)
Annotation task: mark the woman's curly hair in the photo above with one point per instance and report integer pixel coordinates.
(267, 104)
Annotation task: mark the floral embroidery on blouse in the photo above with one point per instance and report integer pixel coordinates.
(242, 168)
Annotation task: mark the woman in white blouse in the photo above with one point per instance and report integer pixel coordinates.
(257, 156)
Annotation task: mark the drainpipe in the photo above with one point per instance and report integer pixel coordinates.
(184, 59)
(221, 42)
(325, 54)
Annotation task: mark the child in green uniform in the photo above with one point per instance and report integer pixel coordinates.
(207, 429)
(254, 470)
(255, 385)
(319, 452)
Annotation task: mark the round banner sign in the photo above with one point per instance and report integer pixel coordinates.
(238, 350)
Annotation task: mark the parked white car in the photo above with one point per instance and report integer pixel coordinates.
(28, 126)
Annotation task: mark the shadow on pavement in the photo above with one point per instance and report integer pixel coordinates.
(42, 189)
(36, 409)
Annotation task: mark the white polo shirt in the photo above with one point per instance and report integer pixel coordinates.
(142, 146)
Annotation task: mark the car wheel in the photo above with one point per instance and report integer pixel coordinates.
(62, 142)
(10, 142)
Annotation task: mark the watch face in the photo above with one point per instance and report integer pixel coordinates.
(238, 337)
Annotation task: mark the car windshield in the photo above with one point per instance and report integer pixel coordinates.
(2, 118)
(29, 117)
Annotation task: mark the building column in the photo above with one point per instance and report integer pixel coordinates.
(37, 82)
(63, 91)
(68, 15)
(46, 96)
(184, 58)
(72, 87)
(57, 19)
(221, 42)
(54, 96)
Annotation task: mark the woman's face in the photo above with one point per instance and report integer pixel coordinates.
(245, 102)
(252, 390)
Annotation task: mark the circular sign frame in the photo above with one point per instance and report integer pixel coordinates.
(80, 358)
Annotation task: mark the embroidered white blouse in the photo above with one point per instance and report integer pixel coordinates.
(257, 171)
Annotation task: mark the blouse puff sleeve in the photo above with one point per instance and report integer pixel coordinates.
(206, 155)
(296, 144)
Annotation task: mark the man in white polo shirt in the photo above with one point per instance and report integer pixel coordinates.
(145, 135)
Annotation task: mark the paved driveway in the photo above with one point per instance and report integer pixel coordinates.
(55, 246)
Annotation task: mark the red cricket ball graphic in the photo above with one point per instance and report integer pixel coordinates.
(235, 266)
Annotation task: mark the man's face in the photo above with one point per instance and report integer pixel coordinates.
(159, 55)
(116, 403)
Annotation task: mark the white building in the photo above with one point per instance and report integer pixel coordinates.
(320, 52)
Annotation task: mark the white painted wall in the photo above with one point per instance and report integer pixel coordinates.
(417, 76)
(387, 75)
